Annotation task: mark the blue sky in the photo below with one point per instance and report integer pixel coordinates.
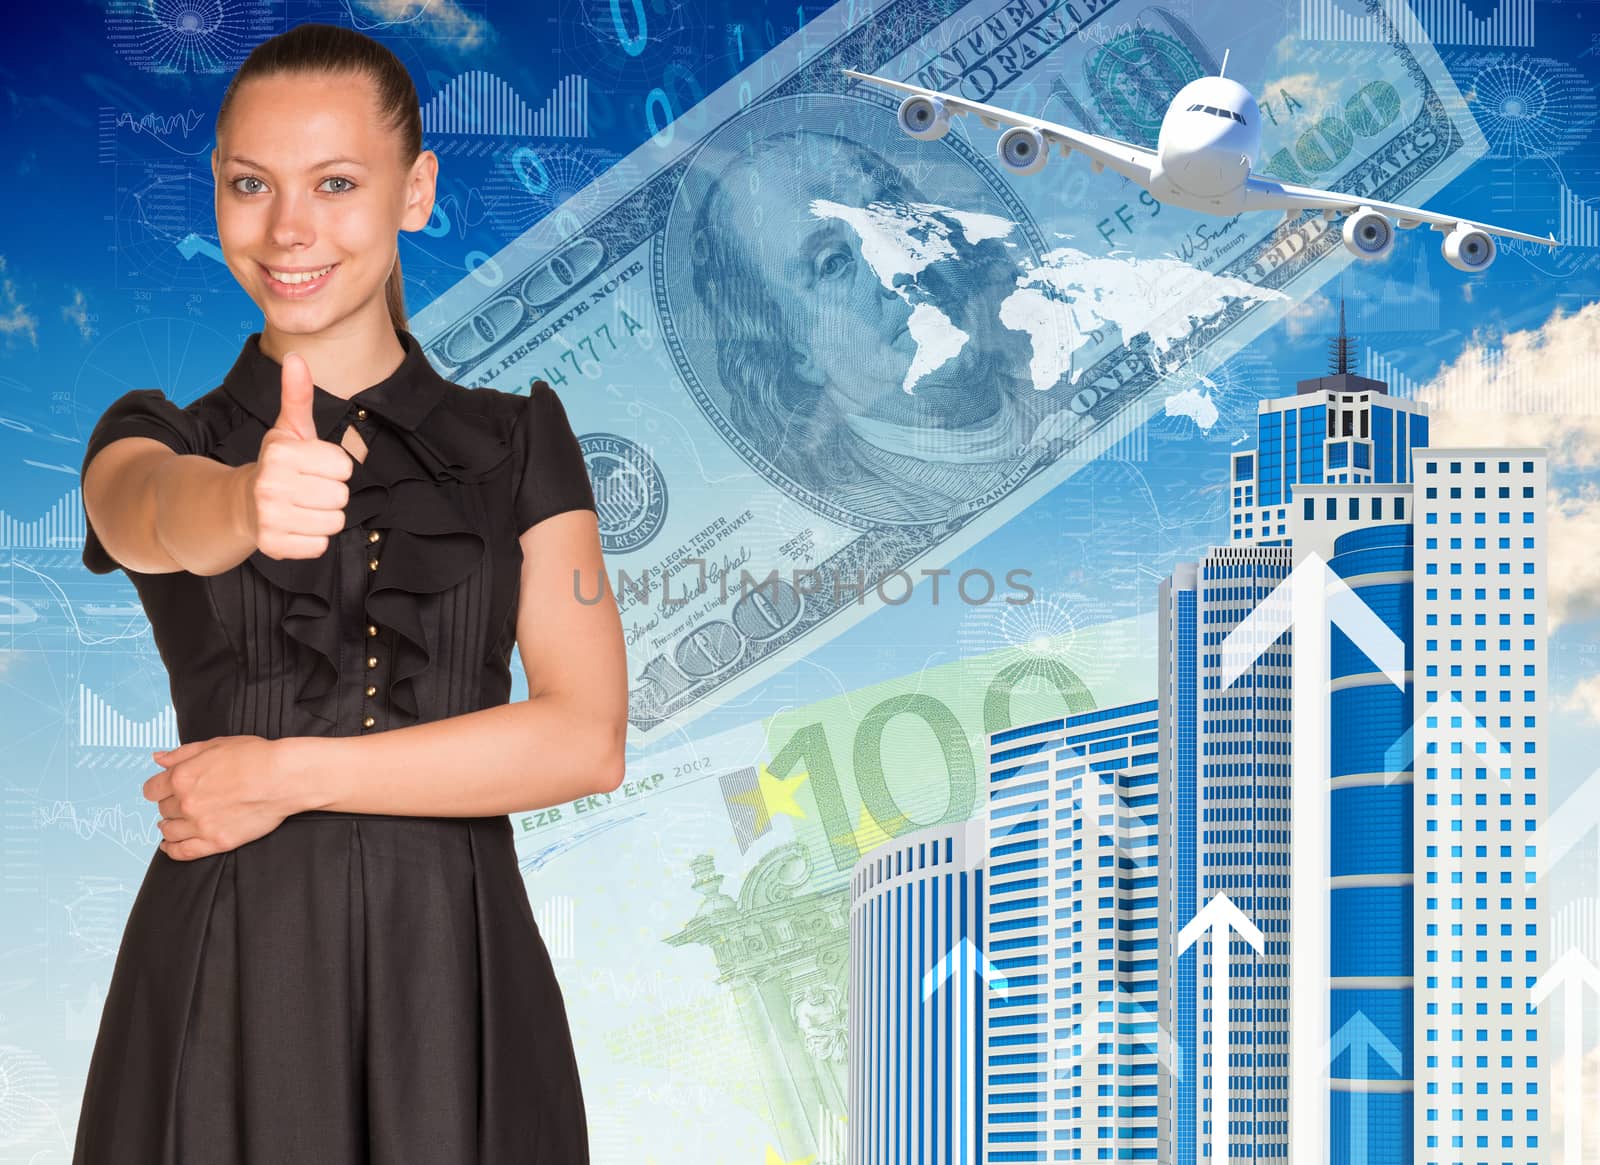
(93, 301)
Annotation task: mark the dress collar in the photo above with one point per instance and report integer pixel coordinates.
(403, 398)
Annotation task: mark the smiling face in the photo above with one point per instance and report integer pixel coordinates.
(311, 189)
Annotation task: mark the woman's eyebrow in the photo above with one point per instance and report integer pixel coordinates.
(341, 161)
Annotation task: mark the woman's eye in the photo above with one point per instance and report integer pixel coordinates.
(348, 185)
(248, 190)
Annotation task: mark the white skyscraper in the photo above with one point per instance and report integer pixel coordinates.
(1483, 1066)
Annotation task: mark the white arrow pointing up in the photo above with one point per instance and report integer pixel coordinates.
(1568, 825)
(1305, 602)
(1217, 918)
(1572, 972)
(960, 957)
(1361, 1037)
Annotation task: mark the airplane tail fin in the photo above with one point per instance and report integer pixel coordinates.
(1223, 72)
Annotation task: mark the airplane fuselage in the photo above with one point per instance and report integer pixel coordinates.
(1208, 145)
(1203, 161)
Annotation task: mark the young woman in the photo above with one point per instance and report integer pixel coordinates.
(332, 959)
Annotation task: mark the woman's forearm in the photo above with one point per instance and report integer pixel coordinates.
(528, 754)
(200, 512)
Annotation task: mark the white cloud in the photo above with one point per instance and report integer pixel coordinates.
(1574, 567)
(77, 313)
(1590, 1072)
(1537, 387)
(15, 318)
(1312, 89)
(1309, 315)
(446, 19)
(1584, 698)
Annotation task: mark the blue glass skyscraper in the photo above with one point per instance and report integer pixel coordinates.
(1436, 787)
(1224, 760)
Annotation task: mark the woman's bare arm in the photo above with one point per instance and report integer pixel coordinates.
(566, 741)
(157, 511)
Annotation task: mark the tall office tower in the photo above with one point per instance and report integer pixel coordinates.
(1482, 703)
(1434, 895)
(916, 1013)
(1364, 533)
(1436, 788)
(1004, 971)
(1224, 810)
(1337, 429)
(1227, 762)
(1074, 1051)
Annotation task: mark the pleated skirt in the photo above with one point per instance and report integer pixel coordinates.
(350, 989)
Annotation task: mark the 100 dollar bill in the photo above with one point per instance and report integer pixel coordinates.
(805, 351)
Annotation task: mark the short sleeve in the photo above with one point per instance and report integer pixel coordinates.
(554, 477)
(141, 412)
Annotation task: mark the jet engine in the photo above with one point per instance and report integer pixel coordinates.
(1468, 249)
(1368, 234)
(924, 118)
(1023, 150)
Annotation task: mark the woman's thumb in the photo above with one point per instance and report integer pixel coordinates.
(294, 409)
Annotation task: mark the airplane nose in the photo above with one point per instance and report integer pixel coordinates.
(1211, 171)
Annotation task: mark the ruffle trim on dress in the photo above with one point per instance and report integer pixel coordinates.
(404, 487)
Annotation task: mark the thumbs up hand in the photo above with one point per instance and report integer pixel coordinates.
(298, 494)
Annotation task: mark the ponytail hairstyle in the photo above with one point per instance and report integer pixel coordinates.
(331, 48)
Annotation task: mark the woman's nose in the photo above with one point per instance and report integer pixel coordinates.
(291, 222)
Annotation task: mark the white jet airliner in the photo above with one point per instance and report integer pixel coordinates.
(1209, 142)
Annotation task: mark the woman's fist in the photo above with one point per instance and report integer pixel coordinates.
(298, 494)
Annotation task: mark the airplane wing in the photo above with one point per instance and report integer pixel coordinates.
(1270, 194)
(1134, 163)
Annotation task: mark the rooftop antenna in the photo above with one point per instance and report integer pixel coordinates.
(1223, 72)
(1342, 349)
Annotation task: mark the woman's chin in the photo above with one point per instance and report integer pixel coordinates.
(295, 319)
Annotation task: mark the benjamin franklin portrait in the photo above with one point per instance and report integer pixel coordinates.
(807, 352)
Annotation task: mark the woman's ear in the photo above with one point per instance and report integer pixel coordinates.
(421, 185)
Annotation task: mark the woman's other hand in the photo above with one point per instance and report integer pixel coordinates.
(298, 494)
(218, 794)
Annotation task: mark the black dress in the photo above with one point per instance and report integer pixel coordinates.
(349, 989)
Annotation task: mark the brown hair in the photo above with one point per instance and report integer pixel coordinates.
(330, 48)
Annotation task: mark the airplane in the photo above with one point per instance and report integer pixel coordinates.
(1205, 153)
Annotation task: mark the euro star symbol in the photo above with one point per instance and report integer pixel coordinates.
(772, 795)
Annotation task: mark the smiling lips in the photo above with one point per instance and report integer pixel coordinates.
(296, 283)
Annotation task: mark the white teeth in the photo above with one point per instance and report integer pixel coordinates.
(298, 276)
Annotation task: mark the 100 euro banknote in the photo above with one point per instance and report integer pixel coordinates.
(698, 914)
(805, 353)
